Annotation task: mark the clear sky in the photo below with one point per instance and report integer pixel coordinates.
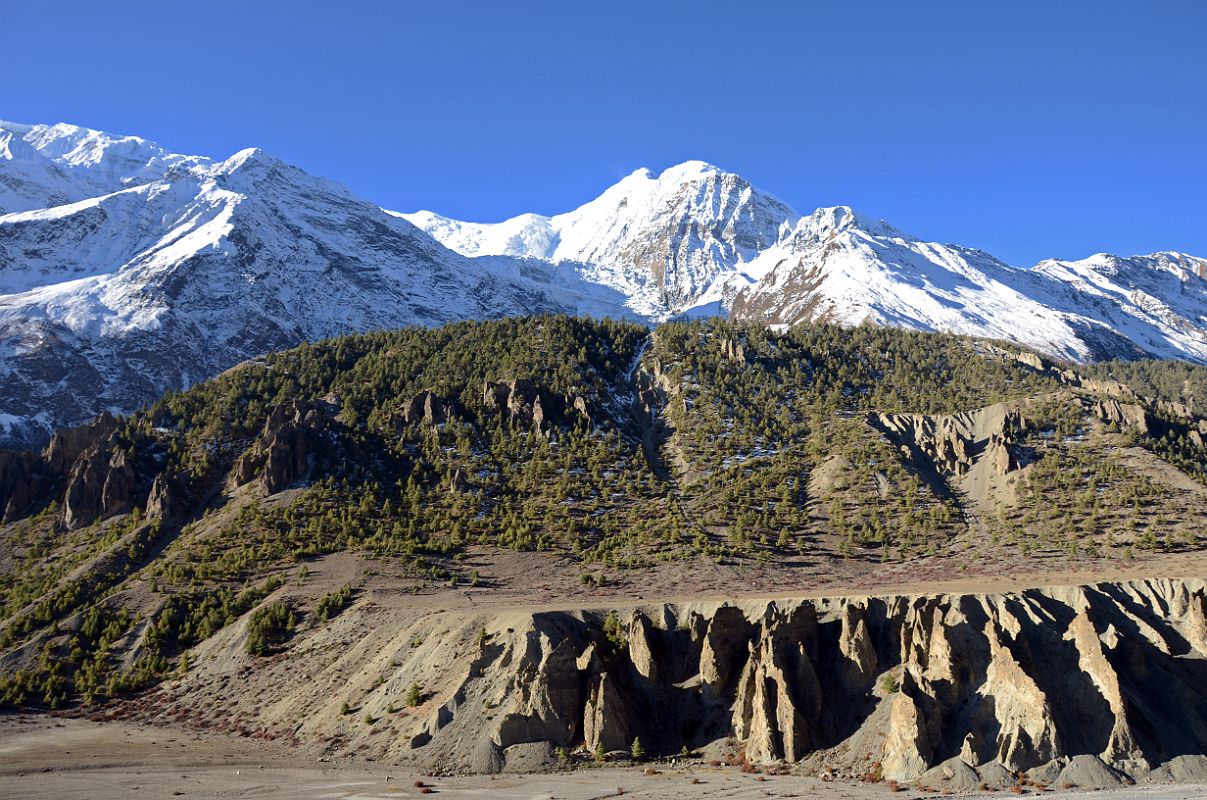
(1028, 129)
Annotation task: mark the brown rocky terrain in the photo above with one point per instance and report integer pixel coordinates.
(1091, 685)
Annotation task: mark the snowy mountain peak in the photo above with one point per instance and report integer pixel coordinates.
(662, 240)
(126, 269)
(830, 221)
(86, 148)
(689, 170)
(249, 165)
(242, 158)
(675, 174)
(48, 165)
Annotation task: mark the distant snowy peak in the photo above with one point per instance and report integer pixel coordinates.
(697, 241)
(661, 239)
(1158, 301)
(1137, 271)
(525, 236)
(839, 267)
(123, 157)
(47, 165)
(164, 277)
(827, 222)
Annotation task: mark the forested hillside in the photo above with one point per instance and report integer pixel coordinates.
(129, 541)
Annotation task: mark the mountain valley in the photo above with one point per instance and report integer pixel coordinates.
(677, 480)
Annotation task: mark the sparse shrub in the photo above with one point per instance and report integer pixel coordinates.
(269, 627)
(332, 603)
(614, 631)
(414, 695)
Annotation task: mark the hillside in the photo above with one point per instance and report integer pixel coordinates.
(602, 454)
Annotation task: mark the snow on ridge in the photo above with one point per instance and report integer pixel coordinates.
(661, 239)
(154, 269)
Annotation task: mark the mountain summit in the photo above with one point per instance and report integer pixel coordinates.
(127, 270)
(660, 239)
(697, 241)
(169, 276)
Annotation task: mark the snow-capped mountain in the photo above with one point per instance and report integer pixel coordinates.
(840, 267)
(661, 240)
(52, 165)
(699, 241)
(126, 270)
(173, 275)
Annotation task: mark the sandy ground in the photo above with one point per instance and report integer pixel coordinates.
(73, 759)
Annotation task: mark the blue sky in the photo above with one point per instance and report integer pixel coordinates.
(1028, 129)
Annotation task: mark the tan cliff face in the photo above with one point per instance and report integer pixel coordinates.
(1099, 680)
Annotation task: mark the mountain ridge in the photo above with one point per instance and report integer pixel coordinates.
(127, 270)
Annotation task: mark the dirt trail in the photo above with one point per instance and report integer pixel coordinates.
(529, 581)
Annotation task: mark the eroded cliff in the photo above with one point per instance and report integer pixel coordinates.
(1098, 684)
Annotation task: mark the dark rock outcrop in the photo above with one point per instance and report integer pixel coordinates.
(283, 454)
(66, 444)
(550, 695)
(725, 649)
(1128, 416)
(21, 482)
(519, 400)
(609, 721)
(101, 483)
(164, 500)
(425, 408)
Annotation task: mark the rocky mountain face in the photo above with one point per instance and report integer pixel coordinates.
(1086, 686)
(837, 266)
(662, 240)
(180, 268)
(126, 270)
(455, 485)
